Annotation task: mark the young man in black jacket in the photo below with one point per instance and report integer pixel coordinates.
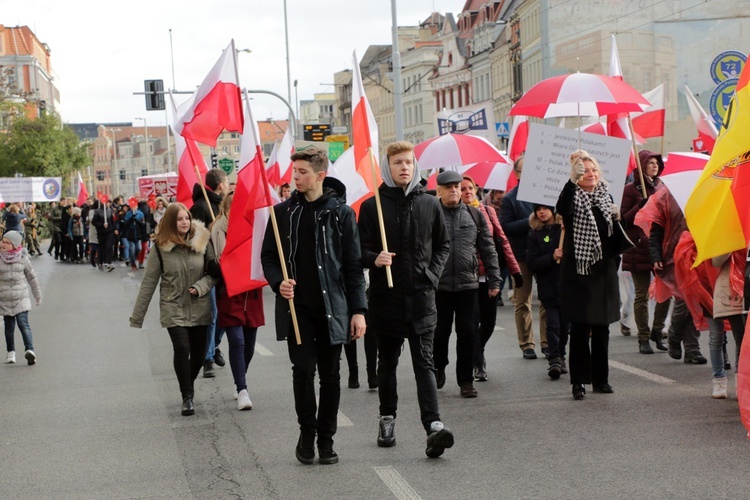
(322, 253)
(418, 248)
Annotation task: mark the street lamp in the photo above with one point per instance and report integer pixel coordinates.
(148, 167)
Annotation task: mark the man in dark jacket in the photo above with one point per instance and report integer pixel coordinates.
(637, 260)
(418, 248)
(217, 187)
(457, 293)
(326, 281)
(514, 218)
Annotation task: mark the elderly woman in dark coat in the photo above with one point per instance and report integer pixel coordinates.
(589, 297)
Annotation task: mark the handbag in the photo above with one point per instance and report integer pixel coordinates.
(619, 242)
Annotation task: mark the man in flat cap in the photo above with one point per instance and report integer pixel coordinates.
(457, 293)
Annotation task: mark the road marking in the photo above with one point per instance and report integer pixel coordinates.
(262, 350)
(499, 328)
(398, 486)
(641, 373)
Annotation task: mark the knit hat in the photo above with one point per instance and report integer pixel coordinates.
(539, 205)
(14, 237)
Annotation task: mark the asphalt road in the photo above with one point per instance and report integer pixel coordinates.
(99, 417)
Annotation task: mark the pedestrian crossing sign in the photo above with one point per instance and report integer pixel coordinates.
(502, 129)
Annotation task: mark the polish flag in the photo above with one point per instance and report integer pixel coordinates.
(344, 170)
(650, 123)
(279, 168)
(519, 135)
(707, 132)
(83, 193)
(617, 125)
(217, 104)
(365, 137)
(188, 157)
(248, 217)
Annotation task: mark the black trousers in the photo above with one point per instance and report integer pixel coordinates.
(589, 366)
(189, 344)
(389, 351)
(315, 351)
(487, 320)
(463, 305)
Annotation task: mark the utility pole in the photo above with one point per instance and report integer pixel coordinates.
(397, 87)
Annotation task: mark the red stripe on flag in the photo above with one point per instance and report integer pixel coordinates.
(650, 123)
(220, 109)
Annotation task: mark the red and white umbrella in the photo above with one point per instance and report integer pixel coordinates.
(681, 174)
(489, 175)
(452, 150)
(579, 94)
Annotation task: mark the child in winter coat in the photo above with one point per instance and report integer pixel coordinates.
(15, 303)
(543, 258)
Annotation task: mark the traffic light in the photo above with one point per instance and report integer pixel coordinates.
(214, 160)
(155, 94)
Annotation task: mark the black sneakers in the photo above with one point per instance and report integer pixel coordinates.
(440, 378)
(439, 439)
(208, 369)
(387, 432)
(187, 404)
(529, 354)
(579, 391)
(326, 455)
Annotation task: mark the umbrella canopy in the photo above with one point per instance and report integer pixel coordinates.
(579, 94)
(681, 174)
(487, 174)
(451, 150)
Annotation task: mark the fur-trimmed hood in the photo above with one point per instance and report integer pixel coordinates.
(197, 243)
(536, 224)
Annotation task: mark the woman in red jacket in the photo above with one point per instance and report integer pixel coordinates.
(240, 315)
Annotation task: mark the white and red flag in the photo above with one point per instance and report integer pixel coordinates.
(83, 193)
(188, 158)
(248, 217)
(707, 132)
(364, 137)
(279, 167)
(617, 125)
(650, 123)
(216, 105)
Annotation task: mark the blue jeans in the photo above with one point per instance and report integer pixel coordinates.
(23, 324)
(716, 340)
(125, 248)
(215, 331)
(241, 349)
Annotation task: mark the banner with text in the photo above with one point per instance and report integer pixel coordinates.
(546, 165)
(37, 189)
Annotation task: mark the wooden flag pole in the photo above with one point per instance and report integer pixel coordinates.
(637, 158)
(379, 207)
(284, 272)
(205, 194)
(562, 238)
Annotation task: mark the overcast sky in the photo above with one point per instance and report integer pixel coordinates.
(102, 51)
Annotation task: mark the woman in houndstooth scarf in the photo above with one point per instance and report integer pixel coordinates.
(589, 297)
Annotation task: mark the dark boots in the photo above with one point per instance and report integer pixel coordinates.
(657, 338)
(555, 368)
(187, 404)
(305, 451)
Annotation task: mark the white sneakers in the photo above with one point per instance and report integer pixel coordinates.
(30, 357)
(243, 400)
(11, 358)
(720, 388)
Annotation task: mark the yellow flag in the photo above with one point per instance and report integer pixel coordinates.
(718, 210)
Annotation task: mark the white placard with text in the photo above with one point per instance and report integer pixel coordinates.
(546, 165)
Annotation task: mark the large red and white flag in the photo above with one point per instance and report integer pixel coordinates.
(279, 167)
(707, 132)
(217, 104)
(188, 158)
(248, 216)
(365, 137)
(650, 123)
(83, 193)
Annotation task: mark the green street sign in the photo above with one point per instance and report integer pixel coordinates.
(227, 165)
(335, 149)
